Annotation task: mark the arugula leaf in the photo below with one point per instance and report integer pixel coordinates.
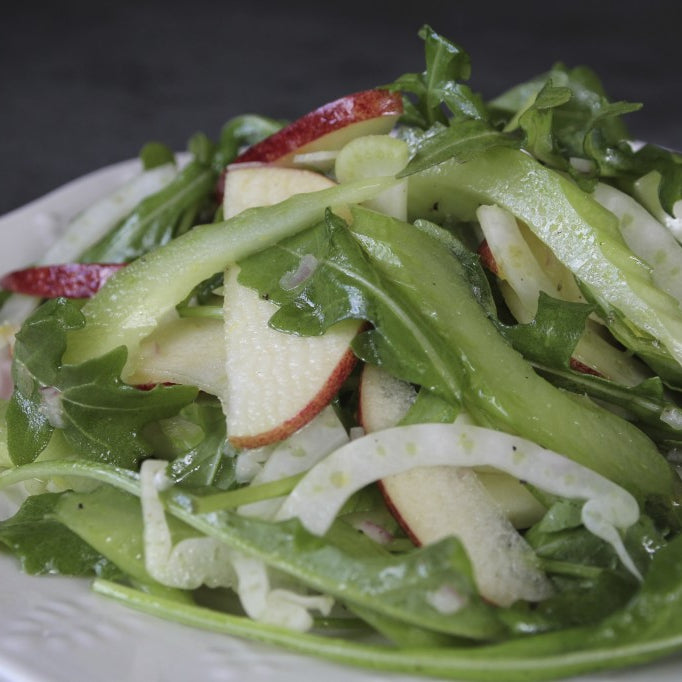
(574, 119)
(551, 337)
(648, 627)
(242, 131)
(210, 462)
(44, 545)
(397, 586)
(155, 154)
(536, 122)
(159, 217)
(586, 125)
(668, 164)
(110, 521)
(446, 65)
(345, 285)
(461, 141)
(99, 415)
(189, 198)
(38, 349)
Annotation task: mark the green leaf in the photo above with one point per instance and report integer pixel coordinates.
(99, 415)
(647, 628)
(447, 64)
(44, 545)
(536, 122)
(241, 131)
(397, 586)
(668, 164)
(553, 334)
(38, 349)
(654, 410)
(159, 217)
(461, 141)
(103, 418)
(110, 522)
(211, 461)
(155, 154)
(345, 285)
(565, 114)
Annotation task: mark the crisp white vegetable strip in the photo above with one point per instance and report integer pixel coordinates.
(317, 499)
(647, 237)
(94, 222)
(191, 562)
(645, 190)
(87, 228)
(296, 454)
(206, 561)
(523, 277)
(514, 260)
(274, 606)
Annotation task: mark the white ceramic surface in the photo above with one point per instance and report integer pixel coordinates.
(54, 629)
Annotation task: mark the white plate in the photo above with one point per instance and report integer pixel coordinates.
(54, 629)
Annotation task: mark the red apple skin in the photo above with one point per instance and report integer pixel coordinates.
(279, 147)
(359, 106)
(71, 280)
(312, 408)
(487, 258)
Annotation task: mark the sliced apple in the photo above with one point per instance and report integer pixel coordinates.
(329, 127)
(432, 503)
(187, 350)
(276, 382)
(71, 280)
(263, 185)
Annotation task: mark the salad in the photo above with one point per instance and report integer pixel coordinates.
(396, 384)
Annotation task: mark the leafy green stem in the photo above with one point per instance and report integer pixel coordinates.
(125, 479)
(231, 499)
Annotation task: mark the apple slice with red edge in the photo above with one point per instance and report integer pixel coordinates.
(71, 280)
(431, 503)
(276, 382)
(329, 127)
(326, 129)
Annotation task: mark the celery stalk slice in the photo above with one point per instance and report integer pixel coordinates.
(583, 235)
(133, 302)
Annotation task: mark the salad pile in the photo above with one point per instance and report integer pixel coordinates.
(397, 384)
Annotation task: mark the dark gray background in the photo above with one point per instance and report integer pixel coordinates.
(83, 85)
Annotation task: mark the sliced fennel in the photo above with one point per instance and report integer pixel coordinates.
(518, 257)
(88, 227)
(645, 190)
(317, 499)
(514, 261)
(196, 561)
(94, 222)
(647, 237)
(582, 234)
(296, 454)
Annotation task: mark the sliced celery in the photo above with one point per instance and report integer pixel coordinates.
(582, 234)
(132, 303)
